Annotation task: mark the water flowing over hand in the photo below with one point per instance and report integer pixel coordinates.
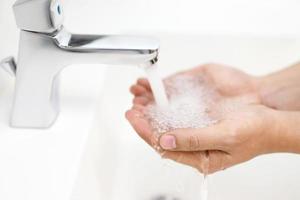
(248, 129)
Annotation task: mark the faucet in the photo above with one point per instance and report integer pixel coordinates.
(46, 48)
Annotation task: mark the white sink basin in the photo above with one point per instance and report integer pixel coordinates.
(119, 165)
(43, 164)
(92, 153)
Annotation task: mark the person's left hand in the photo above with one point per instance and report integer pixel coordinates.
(228, 81)
(238, 137)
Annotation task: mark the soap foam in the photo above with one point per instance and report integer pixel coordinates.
(189, 106)
(190, 100)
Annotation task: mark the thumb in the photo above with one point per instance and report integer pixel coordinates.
(209, 138)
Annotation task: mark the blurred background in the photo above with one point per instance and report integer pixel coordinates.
(257, 36)
(231, 17)
(255, 17)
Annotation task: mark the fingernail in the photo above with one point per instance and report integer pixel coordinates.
(168, 142)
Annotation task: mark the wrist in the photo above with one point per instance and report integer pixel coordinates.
(281, 132)
(287, 133)
(268, 90)
(280, 90)
(272, 139)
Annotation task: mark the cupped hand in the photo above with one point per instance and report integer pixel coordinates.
(229, 83)
(240, 135)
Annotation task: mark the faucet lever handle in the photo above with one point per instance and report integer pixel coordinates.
(42, 16)
(9, 65)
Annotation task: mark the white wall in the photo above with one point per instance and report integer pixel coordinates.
(267, 17)
(260, 17)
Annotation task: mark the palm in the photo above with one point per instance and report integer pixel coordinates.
(230, 84)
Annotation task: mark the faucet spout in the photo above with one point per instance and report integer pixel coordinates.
(43, 56)
(46, 48)
(109, 49)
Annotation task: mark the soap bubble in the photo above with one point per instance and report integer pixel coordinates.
(190, 103)
(191, 100)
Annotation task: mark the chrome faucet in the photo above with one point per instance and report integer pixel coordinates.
(46, 47)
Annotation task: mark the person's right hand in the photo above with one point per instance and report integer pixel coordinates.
(242, 135)
(229, 83)
(251, 130)
(279, 90)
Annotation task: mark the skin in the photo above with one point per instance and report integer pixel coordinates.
(266, 121)
(280, 90)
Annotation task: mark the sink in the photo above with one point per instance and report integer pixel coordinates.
(43, 164)
(119, 165)
(91, 153)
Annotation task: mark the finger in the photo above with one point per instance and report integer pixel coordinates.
(196, 160)
(141, 126)
(141, 100)
(145, 83)
(138, 90)
(209, 163)
(218, 161)
(139, 108)
(209, 138)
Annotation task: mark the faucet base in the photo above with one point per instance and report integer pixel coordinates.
(42, 57)
(36, 92)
